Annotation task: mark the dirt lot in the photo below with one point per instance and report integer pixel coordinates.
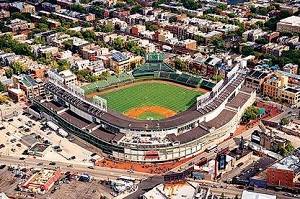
(79, 190)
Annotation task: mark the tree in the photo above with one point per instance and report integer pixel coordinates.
(68, 44)
(222, 6)
(108, 27)
(200, 40)
(63, 65)
(39, 40)
(119, 43)
(251, 113)
(289, 147)
(284, 121)
(219, 43)
(135, 9)
(262, 41)
(151, 27)
(190, 4)
(89, 35)
(18, 68)
(173, 19)
(97, 10)
(78, 8)
(3, 99)
(2, 87)
(247, 50)
(180, 65)
(9, 72)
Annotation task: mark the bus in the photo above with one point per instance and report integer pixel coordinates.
(211, 148)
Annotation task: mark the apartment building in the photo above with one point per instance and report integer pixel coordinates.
(273, 84)
(277, 87)
(121, 63)
(275, 49)
(69, 77)
(19, 25)
(23, 7)
(290, 24)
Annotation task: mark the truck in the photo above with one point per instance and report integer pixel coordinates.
(62, 132)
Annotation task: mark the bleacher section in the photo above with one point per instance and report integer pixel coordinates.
(112, 80)
(207, 85)
(161, 70)
(150, 68)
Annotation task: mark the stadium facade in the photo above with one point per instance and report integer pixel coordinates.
(213, 118)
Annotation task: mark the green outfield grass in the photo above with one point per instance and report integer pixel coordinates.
(166, 95)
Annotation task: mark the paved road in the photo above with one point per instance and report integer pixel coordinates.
(233, 190)
(98, 172)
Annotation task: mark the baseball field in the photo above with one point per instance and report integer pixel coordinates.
(151, 100)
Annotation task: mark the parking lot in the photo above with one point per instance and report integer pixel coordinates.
(61, 149)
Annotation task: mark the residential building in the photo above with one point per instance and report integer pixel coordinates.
(92, 51)
(162, 35)
(275, 49)
(137, 29)
(252, 35)
(121, 63)
(16, 94)
(273, 84)
(173, 190)
(50, 7)
(19, 25)
(285, 173)
(290, 24)
(23, 7)
(291, 68)
(4, 14)
(290, 95)
(276, 86)
(188, 44)
(31, 87)
(69, 77)
(3, 196)
(256, 78)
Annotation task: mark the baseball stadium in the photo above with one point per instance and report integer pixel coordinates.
(153, 113)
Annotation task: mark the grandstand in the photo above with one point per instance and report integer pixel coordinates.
(110, 81)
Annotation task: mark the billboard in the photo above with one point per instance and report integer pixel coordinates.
(221, 161)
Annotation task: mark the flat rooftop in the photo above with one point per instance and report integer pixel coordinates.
(238, 101)
(179, 190)
(293, 20)
(39, 147)
(54, 106)
(254, 195)
(74, 119)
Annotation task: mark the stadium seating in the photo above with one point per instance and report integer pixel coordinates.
(207, 84)
(112, 80)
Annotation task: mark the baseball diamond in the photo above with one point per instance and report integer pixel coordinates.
(151, 100)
